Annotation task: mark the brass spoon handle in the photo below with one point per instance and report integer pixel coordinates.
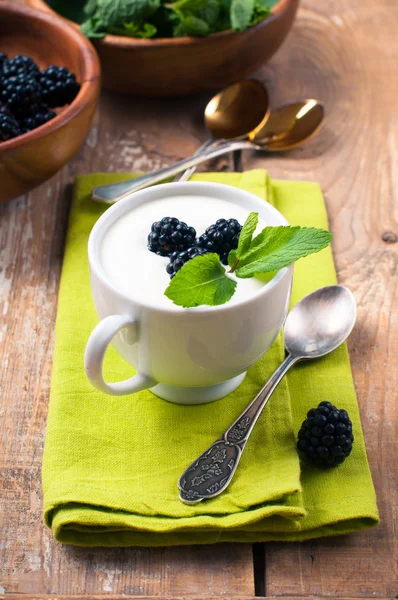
(212, 472)
(116, 191)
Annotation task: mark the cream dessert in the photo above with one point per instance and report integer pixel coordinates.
(141, 274)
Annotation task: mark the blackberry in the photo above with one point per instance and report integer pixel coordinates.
(3, 58)
(20, 65)
(179, 259)
(325, 437)
(4, 109)
(170, 235)
(221, 237)
(19, 92)
(58, 86)
(9, 127)
(37, 115)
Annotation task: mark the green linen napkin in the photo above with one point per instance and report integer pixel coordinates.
(111, 465)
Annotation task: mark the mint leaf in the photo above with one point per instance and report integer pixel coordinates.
(147, 30)
(93, 28)
(201, 280)
(233, 258)
(211, 14)
(241, 14)
(191, 26)
(196, 17)
(277, 247)
(189, 5)
(267, 4)
(114, 13)
(246, 234)
(90, 7)
(260, 12)
(224, 19)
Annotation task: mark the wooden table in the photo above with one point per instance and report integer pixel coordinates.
(345, 53)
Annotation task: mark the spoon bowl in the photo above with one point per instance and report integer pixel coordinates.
(238, 111)
(290, 126)
(320, 323)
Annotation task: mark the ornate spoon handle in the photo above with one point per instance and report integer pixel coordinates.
(211, 473)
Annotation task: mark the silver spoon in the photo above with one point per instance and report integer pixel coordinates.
(305, 120)
(315, 326)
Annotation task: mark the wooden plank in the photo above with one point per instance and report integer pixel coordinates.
(344, 53)
(125, 136)
(124, 597)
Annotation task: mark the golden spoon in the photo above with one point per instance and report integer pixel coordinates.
(286, 127)
(290, 125)
(303, 120)
(237, 112)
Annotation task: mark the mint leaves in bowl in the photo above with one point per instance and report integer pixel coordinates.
(160, 18)
(160, 48)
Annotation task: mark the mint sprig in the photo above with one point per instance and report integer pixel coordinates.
(202, 280)
(278, 247)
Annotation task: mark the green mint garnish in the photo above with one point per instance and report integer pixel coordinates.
(201, 280)
(245, 240)
(277, 247)
(246, 234)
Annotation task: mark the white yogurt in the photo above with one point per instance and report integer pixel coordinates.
(141, 274)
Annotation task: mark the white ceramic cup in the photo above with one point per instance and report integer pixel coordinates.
(187, 356)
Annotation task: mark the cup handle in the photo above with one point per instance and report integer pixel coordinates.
(94, 355)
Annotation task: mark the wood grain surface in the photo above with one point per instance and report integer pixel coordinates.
(345, 54)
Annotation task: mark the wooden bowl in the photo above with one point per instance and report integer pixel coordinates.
(30, 159)
(177, 66)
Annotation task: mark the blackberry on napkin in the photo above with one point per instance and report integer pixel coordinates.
(325, 437)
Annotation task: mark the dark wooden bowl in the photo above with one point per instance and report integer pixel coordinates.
(178, 66)
(30, 159)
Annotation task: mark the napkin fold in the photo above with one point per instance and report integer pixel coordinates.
(111, 465)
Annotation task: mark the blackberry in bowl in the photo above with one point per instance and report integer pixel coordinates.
(38, 115)
(58, 86)
(47, 138)
(9, 126)
(19, 92)
(29, 94)
(19, 65)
